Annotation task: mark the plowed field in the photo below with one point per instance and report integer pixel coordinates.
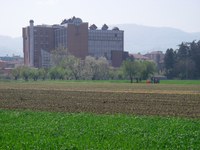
(110, 98)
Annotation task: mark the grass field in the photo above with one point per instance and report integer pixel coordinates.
(180, 82)
(99, 115)
(45, 130)
(192, 82)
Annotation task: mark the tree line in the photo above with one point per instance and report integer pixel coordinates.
(183, 63)
(69, 67)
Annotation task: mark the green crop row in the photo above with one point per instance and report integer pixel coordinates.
(47, 130)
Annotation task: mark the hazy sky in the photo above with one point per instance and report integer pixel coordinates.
(181, 14)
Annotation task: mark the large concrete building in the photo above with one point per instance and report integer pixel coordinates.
(38, 41)
(74, 35)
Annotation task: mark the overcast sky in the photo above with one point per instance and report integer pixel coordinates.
(181, 14)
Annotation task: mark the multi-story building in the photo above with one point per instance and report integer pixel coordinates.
(75, 36)
(102, 42)
(72, 35)
(38, 41)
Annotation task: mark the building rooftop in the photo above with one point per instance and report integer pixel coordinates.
(156, 52)
(76, 21)
(93, 27)
(139, 57)
(72, 20)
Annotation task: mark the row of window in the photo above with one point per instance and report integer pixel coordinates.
(44, 46)
(61, 42)
(101, 38)
(60, 32)
(106, 36)
(41, 32)
(104, 31)
(105, 44)
(45, 58)
(41, 39)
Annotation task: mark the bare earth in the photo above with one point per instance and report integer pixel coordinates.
(101, 98)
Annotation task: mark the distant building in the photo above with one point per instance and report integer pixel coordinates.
(11, 62)
(2, 64)
(158, 58)
(7, 64)
(118, 57)
(75, 36)
(139, 57)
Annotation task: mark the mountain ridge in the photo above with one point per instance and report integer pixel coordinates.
(139, 38)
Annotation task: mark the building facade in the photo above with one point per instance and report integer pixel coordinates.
(75, 36)
(102, 42)
(158, 58)
(37, 41)
(7, 64)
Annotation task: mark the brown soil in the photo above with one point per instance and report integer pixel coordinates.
(155, 102)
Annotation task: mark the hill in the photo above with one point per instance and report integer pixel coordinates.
(138, 38)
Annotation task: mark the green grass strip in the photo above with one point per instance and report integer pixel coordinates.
(47, 130)
(102, 81)
(180, 82)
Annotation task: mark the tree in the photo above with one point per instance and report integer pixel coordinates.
(169, 62)
(34, 74)
(60, 73)
(102, 72)
(112, 73)
(95, 69)
(74, 65)
(183, 51)
(53, 73)
(139, 67)
(149, 68)
(16, 73)
(183, 63)
(58, 56)
(25, 72)
(182, 72)
(42, 73)
(62, 59)
(90, 68)
(116, 73)
(129, 69)
(195, 55)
